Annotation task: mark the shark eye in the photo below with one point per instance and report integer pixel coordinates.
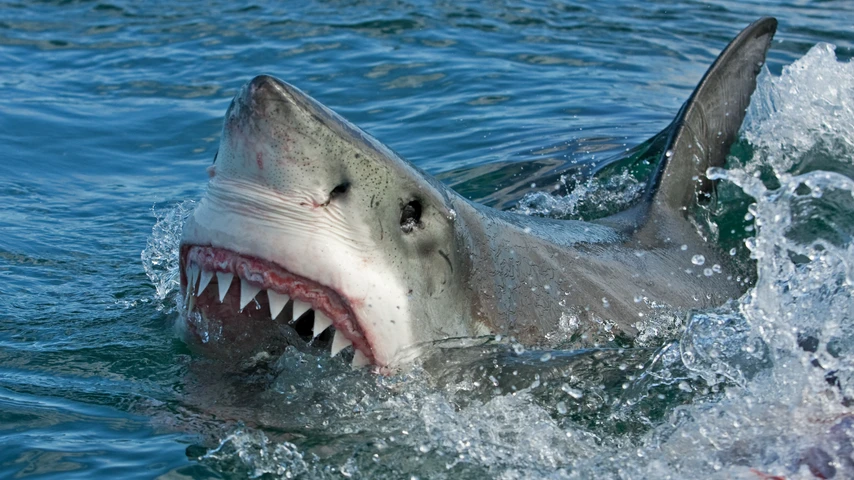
(339, 190)
(410, 216)
(215, 155)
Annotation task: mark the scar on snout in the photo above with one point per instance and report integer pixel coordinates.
(259, 159)
(445, 256)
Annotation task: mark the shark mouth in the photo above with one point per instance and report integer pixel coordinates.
(265, 291)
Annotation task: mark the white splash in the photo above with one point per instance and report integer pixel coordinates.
(593, 198)
(793, 332)
(160, 258)
(804, 114)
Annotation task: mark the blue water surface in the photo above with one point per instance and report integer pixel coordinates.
(110, 112)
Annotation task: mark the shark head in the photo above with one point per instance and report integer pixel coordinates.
(306, 214)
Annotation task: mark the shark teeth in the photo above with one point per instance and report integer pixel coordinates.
(300, 308)
(321, 323)
(223, 281)
(247, 293)
(360, 360)
(277, 302)
(198, 280)
(339, 342)
(192, 278)
(204, 280)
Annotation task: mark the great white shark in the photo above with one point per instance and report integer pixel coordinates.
(313, 231)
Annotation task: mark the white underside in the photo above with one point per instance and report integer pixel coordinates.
(311, 241)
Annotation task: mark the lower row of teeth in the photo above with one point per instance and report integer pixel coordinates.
(198, 280)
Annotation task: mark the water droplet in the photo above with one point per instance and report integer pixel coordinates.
(572, 392)
(698, 259)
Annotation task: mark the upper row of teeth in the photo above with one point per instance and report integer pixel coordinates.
(198, 280)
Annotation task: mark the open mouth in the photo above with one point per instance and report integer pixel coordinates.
(230, 287)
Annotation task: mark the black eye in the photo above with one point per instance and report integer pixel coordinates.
(410, 216)
(215, 155)
(339, 190)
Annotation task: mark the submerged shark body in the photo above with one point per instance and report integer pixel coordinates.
(336, 240)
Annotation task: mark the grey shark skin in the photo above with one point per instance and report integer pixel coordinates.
(308, 211)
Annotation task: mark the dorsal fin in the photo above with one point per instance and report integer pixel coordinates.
(705, 128)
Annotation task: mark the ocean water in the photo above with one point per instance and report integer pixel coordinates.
(111, 112)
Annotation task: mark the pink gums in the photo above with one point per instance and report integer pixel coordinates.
(270, 276)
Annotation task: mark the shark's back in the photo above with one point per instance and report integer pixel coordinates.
(622, 268)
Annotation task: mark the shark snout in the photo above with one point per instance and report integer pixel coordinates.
(274, 136)
(278, 136)
(263, 98)
(265, 85)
